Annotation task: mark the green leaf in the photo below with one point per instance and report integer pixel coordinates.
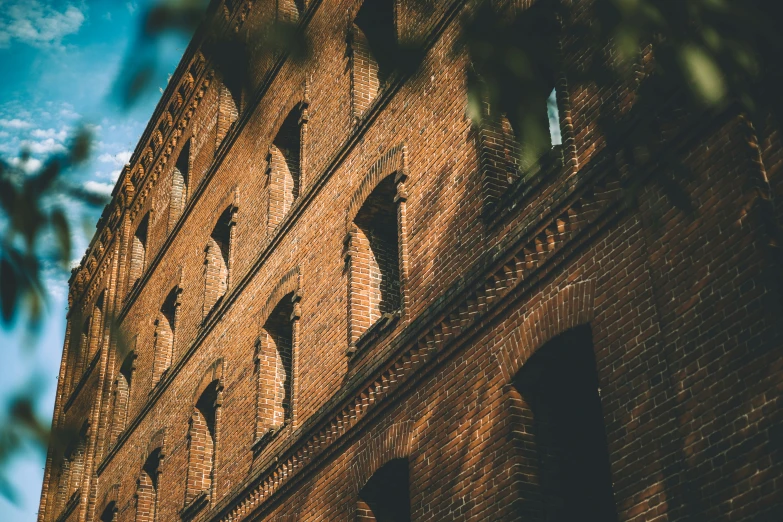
(62, 232)
(704, 75)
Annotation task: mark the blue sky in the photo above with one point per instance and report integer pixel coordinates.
(59, 63)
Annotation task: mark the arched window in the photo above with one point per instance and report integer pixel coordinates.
(84, 349)
(274, 367)
(109, 513)
(179, 185)
(284, 168)
(201, 447)
(559, 403)
(217, 262)
(521, 125)
(373, 47)
(138, 251)
(63, 486)
(93, 331)
(76, 457)
(374, 277)
(122, 390)
(231, 55)
(165, 332)
(386, 496)
(147, 488)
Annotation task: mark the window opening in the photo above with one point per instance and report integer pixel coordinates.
(374, 51)
(559, 383)
(179, 185)
(275, 373)
(201, 445)
(217, 261)
(375, 268)
(386, 496)
(139, 251)
(165, 330)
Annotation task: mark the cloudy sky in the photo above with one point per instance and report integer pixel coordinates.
(59, 63)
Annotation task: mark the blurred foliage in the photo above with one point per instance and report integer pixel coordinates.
(714, 52)
(711, 53)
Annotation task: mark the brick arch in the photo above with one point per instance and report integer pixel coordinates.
(393, 442)
(211, 374)
(290, 282)
(111, 495)
(155, 443)
(393, 161)
(297, 101)
(569, 307)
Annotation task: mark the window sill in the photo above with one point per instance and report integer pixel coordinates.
(265, 438)
(374, 333)
(194, 506)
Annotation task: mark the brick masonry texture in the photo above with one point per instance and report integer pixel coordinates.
(330, 279)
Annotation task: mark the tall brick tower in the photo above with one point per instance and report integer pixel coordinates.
(337, 298)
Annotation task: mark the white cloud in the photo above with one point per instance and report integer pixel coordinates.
(4, 134)
(69, 113)
(98, 187)
(50, 134)
(28, 166)
(46, 146)
(37, 24)
(121, 158)
(131, 7)
(15, 123)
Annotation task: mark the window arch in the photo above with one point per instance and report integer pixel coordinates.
(122, 393)
(218, 260)
(284, 167)
(138, 251)
(202, 442)
(374, 282)
(557, 400)
(386, 496)
(109, 513)
(373, 47)
(520, 123)
(179, 185)
(165, 335)
(147, 488)
(81, 358)
(275, 352)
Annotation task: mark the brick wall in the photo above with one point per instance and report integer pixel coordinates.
(681, 310)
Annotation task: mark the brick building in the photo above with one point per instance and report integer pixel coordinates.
(339, 299)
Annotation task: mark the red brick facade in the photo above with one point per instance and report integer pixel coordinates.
(338, 299)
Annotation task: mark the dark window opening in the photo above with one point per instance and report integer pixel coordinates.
(217, 262)
(179, 185)
(379, 250)
(109, 512)
(374, 52)
(375, 20)
(139, 251)
(386, 496)
(284, 168)
(275, 375)
(147, 489)
(165, 329)
(202, 444)
(560, 385)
